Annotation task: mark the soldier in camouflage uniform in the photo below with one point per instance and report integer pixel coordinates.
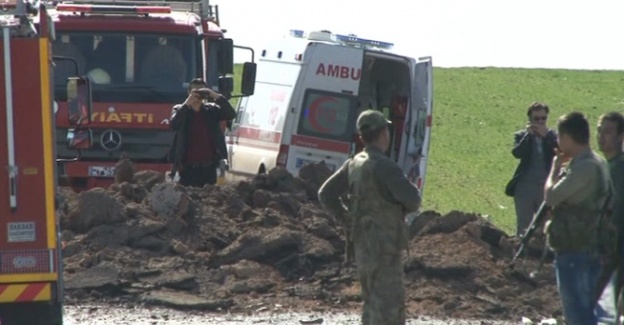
(378, 198)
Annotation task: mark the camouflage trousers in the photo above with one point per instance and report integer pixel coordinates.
(381, 279)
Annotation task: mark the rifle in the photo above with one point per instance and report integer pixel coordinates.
(345, 220)
(536, 222)
(349, 248)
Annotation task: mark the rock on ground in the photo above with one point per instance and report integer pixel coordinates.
(184, 301)
(95, 207)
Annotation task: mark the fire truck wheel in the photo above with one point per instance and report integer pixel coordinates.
(57, 314)
(36, 313)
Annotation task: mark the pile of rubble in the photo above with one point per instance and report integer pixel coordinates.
(267, 244)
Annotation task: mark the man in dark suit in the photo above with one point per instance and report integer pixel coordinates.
(535, 147)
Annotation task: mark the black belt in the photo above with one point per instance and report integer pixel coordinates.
(195, 165)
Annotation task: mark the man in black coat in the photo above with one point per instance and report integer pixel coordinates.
(199, 144)
(535, 147)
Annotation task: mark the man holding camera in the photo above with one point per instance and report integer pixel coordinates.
(199, 144)
(534, 146)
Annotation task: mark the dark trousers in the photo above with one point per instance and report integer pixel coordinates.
(198, 175)
(528, 198)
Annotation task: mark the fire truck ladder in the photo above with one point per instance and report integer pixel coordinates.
(10, 20)
(11, 168)
(199, 7)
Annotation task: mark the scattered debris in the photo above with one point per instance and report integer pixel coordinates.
(268, 241)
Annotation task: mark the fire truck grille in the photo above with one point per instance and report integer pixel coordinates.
(108, 144)
(26, 261)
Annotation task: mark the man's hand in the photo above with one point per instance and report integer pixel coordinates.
(207, 92)
(560, 159)
(529, 128)
(192, 100)
(540, 129)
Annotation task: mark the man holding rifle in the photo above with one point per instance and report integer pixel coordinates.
(378, 198)
(577, 190)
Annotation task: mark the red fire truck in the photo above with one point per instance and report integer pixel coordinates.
(31, 285)
(139, 56)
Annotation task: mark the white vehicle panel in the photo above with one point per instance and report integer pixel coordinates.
(333, 68)
(299, 156)
(257, 131)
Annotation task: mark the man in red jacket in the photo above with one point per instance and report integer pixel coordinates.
(199, 144)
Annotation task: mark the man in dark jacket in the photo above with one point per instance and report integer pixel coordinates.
(535, 147)
(577, 189)
(199, 143)
(610, 138)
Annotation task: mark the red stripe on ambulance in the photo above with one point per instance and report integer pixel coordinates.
(316, 143)
(258, 134)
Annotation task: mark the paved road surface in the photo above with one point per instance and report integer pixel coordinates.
(92, 315)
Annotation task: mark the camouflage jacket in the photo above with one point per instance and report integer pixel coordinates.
(378, 196)
(578, 200)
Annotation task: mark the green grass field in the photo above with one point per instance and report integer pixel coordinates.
(476, 112)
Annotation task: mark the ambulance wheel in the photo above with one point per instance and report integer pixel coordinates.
(262, 170)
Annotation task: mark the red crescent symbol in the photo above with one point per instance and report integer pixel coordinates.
(313, 110)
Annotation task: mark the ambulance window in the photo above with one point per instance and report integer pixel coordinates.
(327, 115)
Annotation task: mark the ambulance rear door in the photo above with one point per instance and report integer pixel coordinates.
(413, 157)
(326, 109)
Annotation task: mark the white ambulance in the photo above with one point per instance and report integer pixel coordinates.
(309, 91)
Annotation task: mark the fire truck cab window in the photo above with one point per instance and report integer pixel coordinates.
(65, 69)
(163, 65)
(109, 57)
(139, 68)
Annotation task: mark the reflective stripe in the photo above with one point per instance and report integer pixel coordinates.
(25, 292)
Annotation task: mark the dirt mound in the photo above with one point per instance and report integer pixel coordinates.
(458, 267)
(267, 242)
